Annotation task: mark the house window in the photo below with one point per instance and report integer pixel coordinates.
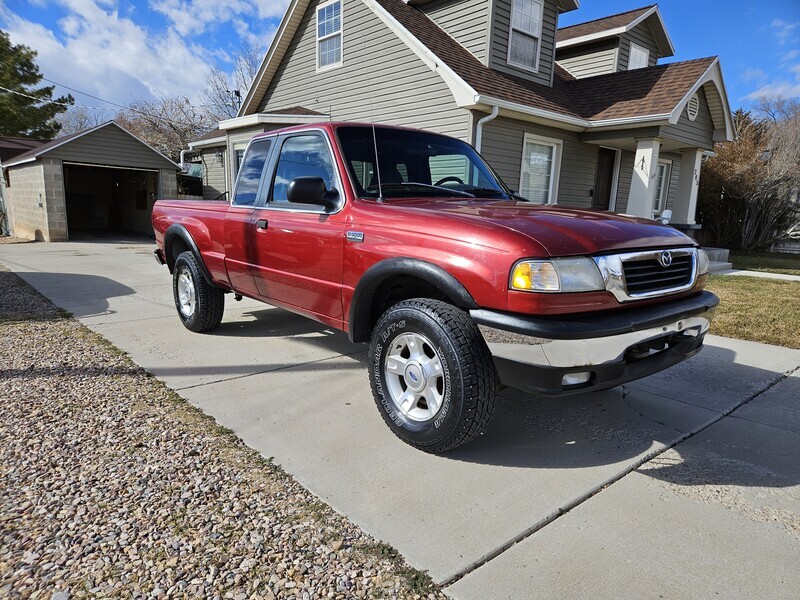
(662, 186)
(639, 57)
(541, 163)
(525, 34)
(329, 35)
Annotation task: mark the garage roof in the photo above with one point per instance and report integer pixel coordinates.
(109, 156)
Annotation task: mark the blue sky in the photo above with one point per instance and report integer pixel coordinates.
(124, 51)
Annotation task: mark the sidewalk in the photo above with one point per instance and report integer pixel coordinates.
(742, 273)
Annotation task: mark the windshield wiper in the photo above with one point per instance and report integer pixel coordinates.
(440, 188)
(487, 192)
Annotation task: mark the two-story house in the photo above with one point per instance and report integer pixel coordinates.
(582, 116)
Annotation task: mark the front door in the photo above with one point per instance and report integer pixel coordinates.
(604, 180)
(300, 246)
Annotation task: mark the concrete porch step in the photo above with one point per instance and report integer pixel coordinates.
(718, 266)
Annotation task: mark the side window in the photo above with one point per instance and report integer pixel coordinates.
(250, 173)
(302, 156)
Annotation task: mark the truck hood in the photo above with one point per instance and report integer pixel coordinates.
(560, 231)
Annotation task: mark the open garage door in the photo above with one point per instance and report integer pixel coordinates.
(105, 199)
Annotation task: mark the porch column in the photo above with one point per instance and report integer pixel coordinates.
(643, 182)
(684, 205)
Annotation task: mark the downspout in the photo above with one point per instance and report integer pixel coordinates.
(479, 127)
(183, 158)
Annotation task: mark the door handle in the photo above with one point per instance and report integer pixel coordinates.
(262, 224)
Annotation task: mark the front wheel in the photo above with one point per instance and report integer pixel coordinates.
(432, 374)
(200, 305)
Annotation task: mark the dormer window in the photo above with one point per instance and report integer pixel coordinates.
(639, 57)
(329, 35)
(525, 35)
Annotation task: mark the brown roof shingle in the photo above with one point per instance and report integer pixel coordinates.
(642, 92)
(294, 110)
(601, 25)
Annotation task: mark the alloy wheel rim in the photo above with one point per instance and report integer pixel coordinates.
(414, 376)
(187, 298)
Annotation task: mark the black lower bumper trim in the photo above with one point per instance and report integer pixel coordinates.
(594, 325)
(548, 381)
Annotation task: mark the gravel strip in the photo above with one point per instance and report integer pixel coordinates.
(7, 239)
(111, 485)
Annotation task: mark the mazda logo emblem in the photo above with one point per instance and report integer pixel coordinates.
(665, 259)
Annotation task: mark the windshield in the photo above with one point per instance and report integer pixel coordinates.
(416, 163)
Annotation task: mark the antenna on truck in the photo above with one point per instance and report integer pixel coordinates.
(372, 122)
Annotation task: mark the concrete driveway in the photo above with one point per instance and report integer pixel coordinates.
(685, 484)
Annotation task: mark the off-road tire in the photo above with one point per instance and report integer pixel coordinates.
(470, 378)
(209, 300)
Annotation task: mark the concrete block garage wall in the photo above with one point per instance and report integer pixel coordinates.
(56, 200)
(26, 192)
(169, 183)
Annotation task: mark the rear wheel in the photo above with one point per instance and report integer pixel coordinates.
(200, 305)
(432, 374)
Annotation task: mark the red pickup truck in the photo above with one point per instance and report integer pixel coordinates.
(410, 241)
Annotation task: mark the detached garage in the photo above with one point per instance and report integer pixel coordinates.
(102, 179)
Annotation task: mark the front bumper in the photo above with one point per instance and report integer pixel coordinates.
(598, 351)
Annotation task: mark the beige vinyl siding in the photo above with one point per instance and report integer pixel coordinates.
(641, 36)
(675, 173)
(502, 148)
(501, 24)
(110, 146)
(625, 177)
(213, 172)
(588, 61)
(466, 21)
(404, 90)
(699, 134)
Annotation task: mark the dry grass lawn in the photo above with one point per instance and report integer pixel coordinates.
(769, 262)
(757, 309)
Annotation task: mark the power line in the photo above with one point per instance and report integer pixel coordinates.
(52, 101)
(84, 93)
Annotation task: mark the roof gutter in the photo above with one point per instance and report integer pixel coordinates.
(479, 128)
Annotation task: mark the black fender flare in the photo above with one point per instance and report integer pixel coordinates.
(178, 231)
(359, 329)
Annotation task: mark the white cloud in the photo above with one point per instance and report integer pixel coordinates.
(109, 56)
(784, 31)
(99, 49)
(753, 75)
(788, 86)
(197, 16)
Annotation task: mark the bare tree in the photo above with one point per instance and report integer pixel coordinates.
(749, 191)
(168, 124)
(220, 93)
(80, 118)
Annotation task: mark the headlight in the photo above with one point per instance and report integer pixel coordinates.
(557, 275)
(702, 262)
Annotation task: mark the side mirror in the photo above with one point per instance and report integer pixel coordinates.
(311, 190)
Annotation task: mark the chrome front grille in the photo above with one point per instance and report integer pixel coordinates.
(644, 276)
(637, 275)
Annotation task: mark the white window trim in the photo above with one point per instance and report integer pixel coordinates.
(644, 50)
(555, 174)
(340, 33)
(664, 200)
(539, 39)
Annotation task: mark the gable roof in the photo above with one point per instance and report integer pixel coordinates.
(633, 97)
(614, 25)
(35, 153)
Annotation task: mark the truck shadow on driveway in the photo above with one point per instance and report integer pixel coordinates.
(621, 424)
(81, 295)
